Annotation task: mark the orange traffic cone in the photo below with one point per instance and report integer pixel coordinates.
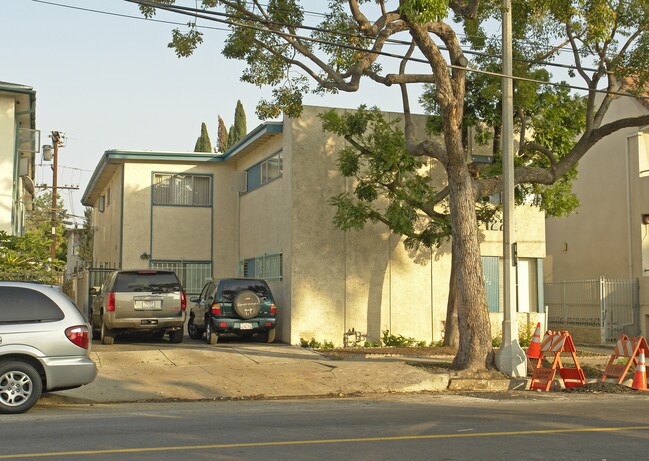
(640, 377)
(534, 351)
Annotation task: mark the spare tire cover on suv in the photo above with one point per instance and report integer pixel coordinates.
(247, 304)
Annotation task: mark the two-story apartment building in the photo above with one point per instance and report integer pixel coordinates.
(19, 142)
(261, 210)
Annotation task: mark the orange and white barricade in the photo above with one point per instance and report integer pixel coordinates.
(556, 343)
(626, 350)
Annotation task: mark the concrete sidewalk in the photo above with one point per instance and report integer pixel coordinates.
(142, 371)
(250, 370)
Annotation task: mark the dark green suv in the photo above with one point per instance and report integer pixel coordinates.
(240, 306)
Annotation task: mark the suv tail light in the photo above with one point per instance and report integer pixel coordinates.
(183, 301)
(110, 304)
(216, 309)
(78, 335)
(273, 309)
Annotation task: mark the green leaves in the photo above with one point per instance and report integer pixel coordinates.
(424, 10)
(184, 43)
(390, 185)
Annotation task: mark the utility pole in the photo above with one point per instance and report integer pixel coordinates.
(510, 358)
(56, 141)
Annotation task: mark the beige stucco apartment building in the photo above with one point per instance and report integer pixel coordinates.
(261, 210)
(19, 142)
(608, 236)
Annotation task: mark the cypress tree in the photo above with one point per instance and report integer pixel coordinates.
(222, 138)
(203, 143)
(239, 128)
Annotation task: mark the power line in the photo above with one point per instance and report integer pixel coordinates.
(121, 15)
(194, 12)
(312, 28)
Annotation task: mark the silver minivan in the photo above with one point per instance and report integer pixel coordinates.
(44, 344)
(146, 300)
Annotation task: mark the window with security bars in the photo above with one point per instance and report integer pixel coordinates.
(191, 275)
(181, 189)
(268, 267)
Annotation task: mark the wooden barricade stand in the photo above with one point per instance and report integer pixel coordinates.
(624, 348)
(557, 343)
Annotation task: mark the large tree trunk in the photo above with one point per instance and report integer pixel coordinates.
(451, 331)
(473, 315)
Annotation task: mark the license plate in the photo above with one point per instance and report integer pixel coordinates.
(148, 304)
(246, 326)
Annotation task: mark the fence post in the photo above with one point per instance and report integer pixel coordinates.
(603, 311)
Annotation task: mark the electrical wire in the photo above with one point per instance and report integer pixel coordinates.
(180, 10)
(121, 15)
(312, 28)
(194, 12)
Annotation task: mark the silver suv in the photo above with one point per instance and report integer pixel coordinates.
(139, 300)
(44, 345)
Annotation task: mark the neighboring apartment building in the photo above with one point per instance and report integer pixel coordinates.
(19, 142)
(261, 210)
(608, 236)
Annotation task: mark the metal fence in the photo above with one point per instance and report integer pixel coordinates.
(52, 277)
(608, 304)
(191, 275)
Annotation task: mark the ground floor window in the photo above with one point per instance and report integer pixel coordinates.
(192, 275)
(529, 291)
(268, 267)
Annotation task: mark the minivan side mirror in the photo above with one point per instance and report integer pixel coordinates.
(193, 299)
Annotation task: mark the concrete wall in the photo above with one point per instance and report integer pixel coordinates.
(163, 232)
(263, 222)
(601, 238)
(365, 279)
(107, 238)
(7, 159)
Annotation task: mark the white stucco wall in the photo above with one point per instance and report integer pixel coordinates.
(601, 238)
(107, 224)
(163, 232)
(365, 280)
(7, 152)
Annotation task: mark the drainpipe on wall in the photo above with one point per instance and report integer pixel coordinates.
(637, 135)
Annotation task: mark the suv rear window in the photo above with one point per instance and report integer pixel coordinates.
(157, 282)
(230, 288)
(22, 305)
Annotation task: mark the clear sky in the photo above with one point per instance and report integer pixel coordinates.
(110, 82)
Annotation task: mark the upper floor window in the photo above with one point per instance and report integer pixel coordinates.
(181, 189)
(264, 172)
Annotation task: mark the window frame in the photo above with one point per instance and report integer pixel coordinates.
(258, 175)
(168, 176)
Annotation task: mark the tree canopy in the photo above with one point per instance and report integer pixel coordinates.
(203, 143)
(604, 43)
(30, 253)
(239, 128)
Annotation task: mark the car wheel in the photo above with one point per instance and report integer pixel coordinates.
(107, 335)
(210, 336)
(176, 336)
(20, 387)
(247, 304)
(96, 334)
(193, 330)
(269, 336)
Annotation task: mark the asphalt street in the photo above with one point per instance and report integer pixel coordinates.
(390, 427)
